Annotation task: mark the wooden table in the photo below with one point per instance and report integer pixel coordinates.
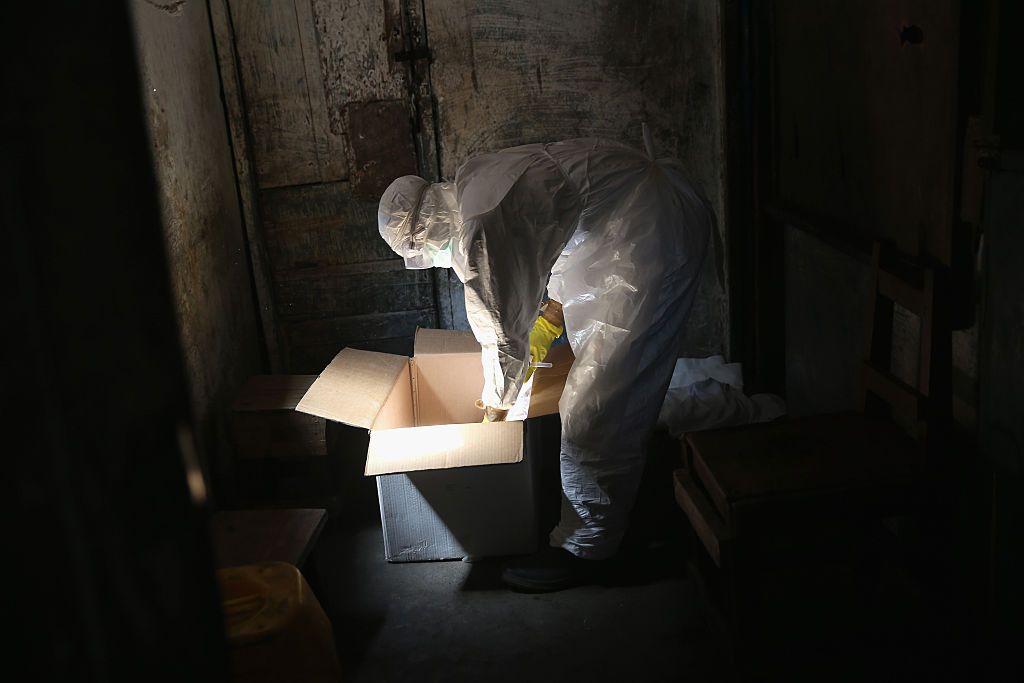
(247, 536)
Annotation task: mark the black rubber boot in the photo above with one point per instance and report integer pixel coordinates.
(551, 569)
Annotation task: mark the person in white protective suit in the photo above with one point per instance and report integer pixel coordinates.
(618, 238)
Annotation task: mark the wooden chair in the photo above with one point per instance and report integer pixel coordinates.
(803, 477)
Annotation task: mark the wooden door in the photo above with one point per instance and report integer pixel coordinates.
(327, 106)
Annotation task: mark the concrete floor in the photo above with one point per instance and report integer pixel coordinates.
(455, 621)
(652, 619)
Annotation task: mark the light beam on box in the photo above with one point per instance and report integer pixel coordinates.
(394, 445)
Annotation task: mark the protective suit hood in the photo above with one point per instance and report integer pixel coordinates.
(418, 220)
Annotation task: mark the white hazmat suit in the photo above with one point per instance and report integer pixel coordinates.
(619, 238)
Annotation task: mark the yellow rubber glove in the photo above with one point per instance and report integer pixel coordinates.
(545, 331)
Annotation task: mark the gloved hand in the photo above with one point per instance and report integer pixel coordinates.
(545, 331)
(491, 414)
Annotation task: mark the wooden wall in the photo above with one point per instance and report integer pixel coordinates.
(329, 101)
(203, 230)
(866, 117)
(511, 72)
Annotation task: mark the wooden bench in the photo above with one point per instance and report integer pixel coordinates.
(280, 455)
(246, 536)
(265, 424)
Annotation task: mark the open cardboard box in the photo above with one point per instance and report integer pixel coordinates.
(449, 486)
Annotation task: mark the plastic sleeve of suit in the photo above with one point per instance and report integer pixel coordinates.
(627, 279)
(518, 209)
(542, 336)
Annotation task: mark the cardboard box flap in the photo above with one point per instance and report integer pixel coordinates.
(444, 341)
(443, 446)
(354, 387)
(263, 393)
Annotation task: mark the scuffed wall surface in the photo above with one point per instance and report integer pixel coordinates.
(199, 201)
(509, 72)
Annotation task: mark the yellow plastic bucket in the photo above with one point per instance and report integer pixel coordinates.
(276, 629)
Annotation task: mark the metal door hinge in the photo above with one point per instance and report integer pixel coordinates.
(413, 55)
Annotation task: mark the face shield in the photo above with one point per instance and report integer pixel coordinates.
(418, 219)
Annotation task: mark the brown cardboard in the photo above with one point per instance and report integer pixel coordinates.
(448, 485)
(448, 377)
(422, 411)
(354, 387)
(398, 410)
(444, 341)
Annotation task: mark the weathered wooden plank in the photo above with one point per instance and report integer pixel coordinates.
(357, 40)
(320, 225)
(314, 358)
(508, 73)
(867, 115)
(279, 67)
(344, 295)
(331, 159)
(281, 434)
(271, 393)
(245, 175)
(336, 281)
(381, 140)
(341, 269)
(702, 515)
(451, 307)
(367, 93)
(326, 94)
(421, 89)
(343, 331)
(426, 139)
